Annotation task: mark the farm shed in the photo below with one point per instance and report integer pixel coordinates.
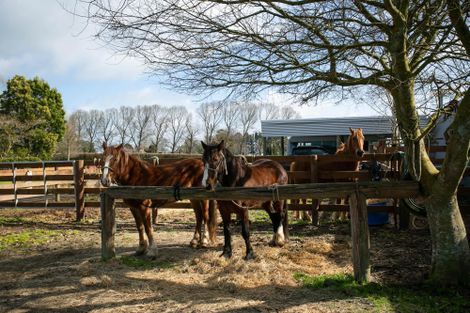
(329, 132)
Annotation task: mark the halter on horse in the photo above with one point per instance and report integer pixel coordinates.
(122, 168)
(222, 167)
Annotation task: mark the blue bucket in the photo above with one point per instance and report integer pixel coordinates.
(378, 218)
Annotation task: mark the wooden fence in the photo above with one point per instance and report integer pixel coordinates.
(41, 184)
(358, 194)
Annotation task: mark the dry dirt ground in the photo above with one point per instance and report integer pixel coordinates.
(64, 273)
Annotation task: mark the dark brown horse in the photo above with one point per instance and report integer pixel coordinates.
(353, 147)
(222, 167)
(122, 168)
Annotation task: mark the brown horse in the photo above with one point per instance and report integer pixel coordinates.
(222, 167)
(354, 147)
(122, 168)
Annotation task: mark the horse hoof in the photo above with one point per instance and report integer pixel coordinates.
(226, 255)
(249, 256)
(140, 252)
(193, 243)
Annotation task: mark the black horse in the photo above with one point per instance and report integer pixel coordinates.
(222, 167)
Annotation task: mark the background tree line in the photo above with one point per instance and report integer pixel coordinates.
(173, 129)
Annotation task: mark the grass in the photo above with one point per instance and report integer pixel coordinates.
(27, 238)
(11, 220)
(259, 216)
(419, 298)
(142, 263)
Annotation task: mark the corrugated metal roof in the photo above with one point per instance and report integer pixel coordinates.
(372, 125)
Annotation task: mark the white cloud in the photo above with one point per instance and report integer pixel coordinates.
(44, 39)
(137, 96)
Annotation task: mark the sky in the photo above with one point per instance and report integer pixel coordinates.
(39, 38)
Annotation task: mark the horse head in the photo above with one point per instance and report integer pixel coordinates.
(356, 142)
(215, 164)
(114, 157)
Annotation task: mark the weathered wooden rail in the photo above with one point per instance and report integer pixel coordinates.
(358, 192)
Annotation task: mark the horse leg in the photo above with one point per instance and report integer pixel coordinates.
(307, 217)
(146, 213)
(296, 214)
(227, 253)
(246, 234)
(276, 214)
(205, 218)
(285, 220)
(212, 221)
(154, 215)
(143, 245)
(197, 231)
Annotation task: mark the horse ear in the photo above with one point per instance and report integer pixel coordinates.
(351, 130)
(204, 146)
(221, 145)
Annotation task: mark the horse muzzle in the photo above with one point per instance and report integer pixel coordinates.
(360, 153)
(105, 182)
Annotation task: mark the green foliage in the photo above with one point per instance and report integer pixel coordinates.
(26, 238)
(11, 220)
(33, 118)
(418, 298)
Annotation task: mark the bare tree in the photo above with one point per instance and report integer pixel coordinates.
(160, 124)
(106, 126)
(123, 122)
(191, 133)
(268, 111)
(140, 131)
(177, 117)
(248, 119)
(231, 115)
(90, 128)
(288, 113)
(313, 50)
(211, 114)
(78, 119)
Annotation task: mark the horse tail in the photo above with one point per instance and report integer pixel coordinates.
(212, 220)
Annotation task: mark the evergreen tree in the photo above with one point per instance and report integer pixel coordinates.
(36, 105)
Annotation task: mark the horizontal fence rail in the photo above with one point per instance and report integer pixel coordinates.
(379, 190)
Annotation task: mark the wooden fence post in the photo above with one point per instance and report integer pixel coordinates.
(314, 179)
(108, 226)
(360, 237)
(79, 182)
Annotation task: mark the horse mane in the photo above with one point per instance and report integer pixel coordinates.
(244, 160)
(129, 160)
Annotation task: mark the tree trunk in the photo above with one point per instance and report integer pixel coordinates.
(450, 253)
(450, 250)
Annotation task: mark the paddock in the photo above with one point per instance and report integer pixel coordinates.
(64, 273)
(49, 262)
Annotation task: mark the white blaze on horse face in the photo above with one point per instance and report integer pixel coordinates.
(206, 174)
(104, 175)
